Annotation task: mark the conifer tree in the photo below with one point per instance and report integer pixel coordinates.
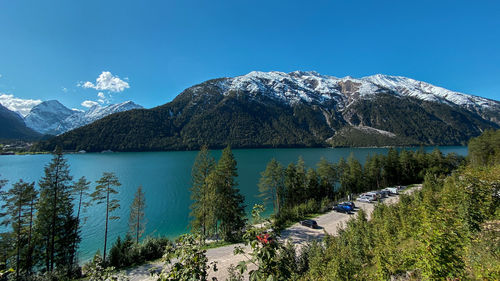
(271, 184)
(328, 177)
(55, 223)
(291, 185)
(201, 195)
(18, 205)
(230, 211)
(81, 195)
(136, 221)
(102, 195)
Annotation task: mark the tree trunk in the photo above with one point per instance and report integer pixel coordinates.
(54, 215)
(138, 224)
(18, 257)
(30, 251)
(106, 228)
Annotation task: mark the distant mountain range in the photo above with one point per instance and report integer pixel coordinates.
(53, 118)
(297, 109)
(13, 127)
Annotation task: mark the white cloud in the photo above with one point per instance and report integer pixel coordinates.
(89, 103)
(103, 98)
(106, 82)
(23, 106)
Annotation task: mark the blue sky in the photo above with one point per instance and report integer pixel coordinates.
(158, 48)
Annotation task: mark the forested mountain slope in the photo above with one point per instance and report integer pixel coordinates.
(298, 109)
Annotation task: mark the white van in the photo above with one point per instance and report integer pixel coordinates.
(392, 190)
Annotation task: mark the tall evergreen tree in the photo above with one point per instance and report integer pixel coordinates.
(104, 189)
(328, 177)
(18, 206)
(201, 195)
(55, 222)
(271, 184)
(230, 212)
(291, 185)
(82, 195)
(136, 221)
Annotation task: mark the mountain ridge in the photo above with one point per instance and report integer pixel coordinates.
(52, 117)
(13, 126)
(296, 109)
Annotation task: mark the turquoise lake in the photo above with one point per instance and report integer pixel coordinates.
(165, 178)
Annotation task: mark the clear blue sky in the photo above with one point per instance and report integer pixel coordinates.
(163, 47)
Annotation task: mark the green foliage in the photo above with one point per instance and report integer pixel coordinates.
(274, 261)
(186, 261)
(18, 204)
(485, 149)
(271, 185)
(55, 225)
(442, 232)
(202, 195)
(97, 271)
(126, 252)
(228, 207)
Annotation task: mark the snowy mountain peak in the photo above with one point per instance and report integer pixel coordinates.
(312, 87)
(51, 117)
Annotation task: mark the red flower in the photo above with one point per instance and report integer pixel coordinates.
(264, 238)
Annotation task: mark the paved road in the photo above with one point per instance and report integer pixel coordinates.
(297, 234)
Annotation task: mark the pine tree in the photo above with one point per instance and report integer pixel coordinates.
(271, 184)
(201, 195)
(18, 206)
(102, 195)
(328, 177)
(136, 221)
(230, 211)
(291, 185)
(81, 194)
(55, 223)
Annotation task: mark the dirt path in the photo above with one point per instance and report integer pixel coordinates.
(297, 234)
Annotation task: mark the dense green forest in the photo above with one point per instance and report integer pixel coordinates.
(446, 230)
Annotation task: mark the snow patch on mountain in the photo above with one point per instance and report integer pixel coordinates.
(52, 117)
(44, 117)
(312, 87)
(426, 91)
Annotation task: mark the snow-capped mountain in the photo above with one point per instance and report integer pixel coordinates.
(45, 117)
(297, 109)
(51, 117)
(312, 87)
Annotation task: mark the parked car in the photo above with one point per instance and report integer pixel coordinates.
(364, 199)
(367, 197)
(310, 223)
(342, 208)
(350, 203)
(392, 190)
(384, 193)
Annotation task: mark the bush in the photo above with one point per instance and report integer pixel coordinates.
(125, 252)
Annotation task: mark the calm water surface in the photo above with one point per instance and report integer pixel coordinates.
(165, 178)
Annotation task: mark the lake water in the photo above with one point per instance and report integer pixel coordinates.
(165, 178)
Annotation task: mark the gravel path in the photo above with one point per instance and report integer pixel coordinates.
(297, 234)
